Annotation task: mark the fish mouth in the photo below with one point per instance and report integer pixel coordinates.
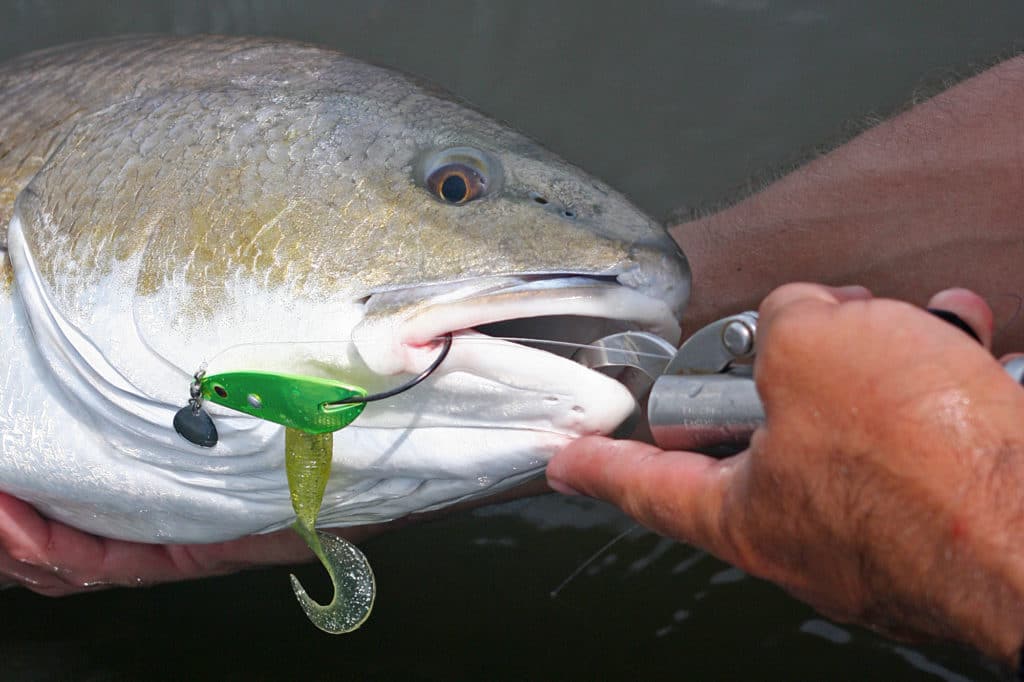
(519, 332)
(551, 311)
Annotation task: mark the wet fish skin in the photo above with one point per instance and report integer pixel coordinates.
(240, 109)
(182, 196)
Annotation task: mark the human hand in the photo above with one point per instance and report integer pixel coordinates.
(885, 487)
(54, 559)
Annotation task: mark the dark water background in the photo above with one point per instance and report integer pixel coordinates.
(677, 104)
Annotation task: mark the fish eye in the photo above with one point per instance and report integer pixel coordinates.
(456, 183)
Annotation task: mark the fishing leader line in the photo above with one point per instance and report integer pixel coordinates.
(481, 338)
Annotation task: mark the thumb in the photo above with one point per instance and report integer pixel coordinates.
(678, 494)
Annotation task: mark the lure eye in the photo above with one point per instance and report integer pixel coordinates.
(456, 183)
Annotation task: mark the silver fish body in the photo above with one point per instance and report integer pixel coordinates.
(248, 204)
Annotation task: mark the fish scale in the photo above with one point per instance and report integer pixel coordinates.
(255, 205)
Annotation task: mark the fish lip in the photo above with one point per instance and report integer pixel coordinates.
(401, 323)
(402, 331)
(541, 290)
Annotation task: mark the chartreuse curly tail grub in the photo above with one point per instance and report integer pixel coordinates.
(308, 463)
(311, 409)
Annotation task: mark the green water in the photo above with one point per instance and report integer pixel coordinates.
(677, 104)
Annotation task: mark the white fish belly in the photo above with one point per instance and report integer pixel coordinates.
(57, 459)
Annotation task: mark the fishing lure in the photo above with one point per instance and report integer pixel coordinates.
(311, 409)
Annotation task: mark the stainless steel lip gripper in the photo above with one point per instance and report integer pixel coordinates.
(702, 397)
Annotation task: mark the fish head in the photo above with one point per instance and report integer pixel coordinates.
(449, 223)
(337, 220)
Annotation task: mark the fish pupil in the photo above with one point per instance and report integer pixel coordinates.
(454, 189)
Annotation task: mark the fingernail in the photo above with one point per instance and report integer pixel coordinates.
(853, 291)
(955, 291)
(956, 321)
(560, 487)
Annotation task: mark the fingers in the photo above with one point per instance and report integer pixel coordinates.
(802, 291)
(803, 295)
(679, 494)
(54, 559)
(970, 308)
(23, 538)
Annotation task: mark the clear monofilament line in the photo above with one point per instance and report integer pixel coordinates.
(454, 338)
(550, 342)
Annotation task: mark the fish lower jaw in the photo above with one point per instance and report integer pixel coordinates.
(511, 352)
(406, 339)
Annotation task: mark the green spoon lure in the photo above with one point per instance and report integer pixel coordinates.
(307, 404)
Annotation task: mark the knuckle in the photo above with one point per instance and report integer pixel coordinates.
(183, 560)
(796, 321)
(792, 337)
(784, 293)
(46, 585)
(189, 560)
(738, 540)
(636, 504)
(27, 556)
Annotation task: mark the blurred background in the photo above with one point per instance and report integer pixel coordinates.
(680, 105)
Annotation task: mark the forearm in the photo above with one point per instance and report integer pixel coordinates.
(930, 199)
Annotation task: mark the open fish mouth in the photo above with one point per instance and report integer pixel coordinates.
(518, 333)
(560, 311)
